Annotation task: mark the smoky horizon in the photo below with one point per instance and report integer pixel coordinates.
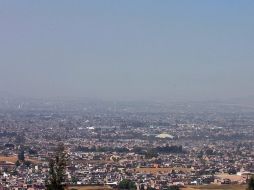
(164, 51)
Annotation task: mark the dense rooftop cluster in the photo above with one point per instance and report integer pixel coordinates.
(154, 149)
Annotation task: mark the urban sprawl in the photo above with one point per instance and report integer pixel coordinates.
(154, 146)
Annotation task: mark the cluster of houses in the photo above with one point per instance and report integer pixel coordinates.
(152, 150)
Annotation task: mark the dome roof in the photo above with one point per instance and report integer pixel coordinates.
(164, 135)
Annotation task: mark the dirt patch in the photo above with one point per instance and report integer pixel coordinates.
(161, 170)
(89, 187)
(13, 159)
(216, 187)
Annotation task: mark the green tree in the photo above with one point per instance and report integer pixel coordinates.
(17, 163)
(21, 155)
(27, 163)
(57, 167)
(74, 180)
(251, 184)
(174, 187)
(151, 154)
(127, 184)
(151, 188)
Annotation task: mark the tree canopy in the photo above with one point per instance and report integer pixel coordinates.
(251, 184)
(127, 184)
(57, 167)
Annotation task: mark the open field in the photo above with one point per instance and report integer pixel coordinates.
(89, 187)
(231, 177)
(161, 170)
(202, 187)
(13, 159)
(216, 187)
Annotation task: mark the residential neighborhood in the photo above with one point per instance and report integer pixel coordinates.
(152, 150)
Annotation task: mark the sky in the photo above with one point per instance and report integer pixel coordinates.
(127, 50)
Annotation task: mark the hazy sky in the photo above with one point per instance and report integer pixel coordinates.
(132, 49)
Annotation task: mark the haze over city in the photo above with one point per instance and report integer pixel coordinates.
(126, 95)
(127, 50)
